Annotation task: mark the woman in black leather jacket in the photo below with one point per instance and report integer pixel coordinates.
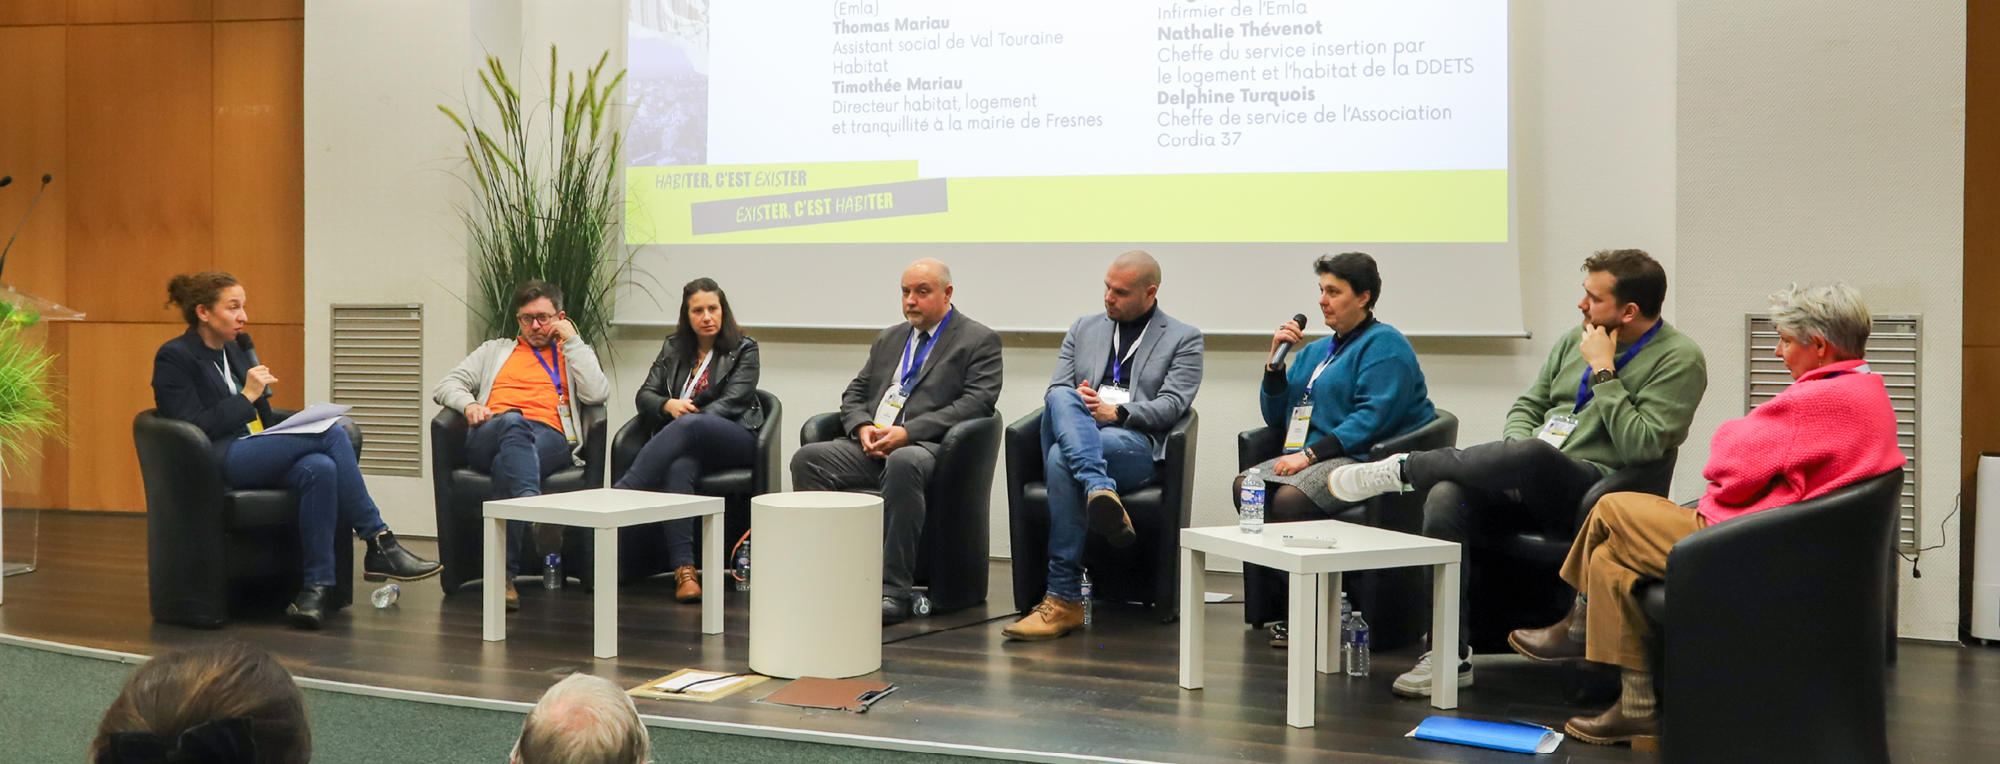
(702, 395)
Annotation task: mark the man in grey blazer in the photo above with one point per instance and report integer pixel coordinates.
(923, 376)
(1122, 380)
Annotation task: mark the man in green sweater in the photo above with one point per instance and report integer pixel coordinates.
(1617, 391)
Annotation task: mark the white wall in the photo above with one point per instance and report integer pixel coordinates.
(1823, 141)
(1597, 121)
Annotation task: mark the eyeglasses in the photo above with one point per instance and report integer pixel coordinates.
(531, 319)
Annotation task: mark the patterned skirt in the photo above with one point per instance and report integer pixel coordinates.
(1311, 481)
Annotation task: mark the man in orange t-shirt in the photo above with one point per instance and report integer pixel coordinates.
(521, 397)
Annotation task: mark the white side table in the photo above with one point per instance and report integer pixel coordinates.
(605, 510)
(816, 597)
(1315, 602)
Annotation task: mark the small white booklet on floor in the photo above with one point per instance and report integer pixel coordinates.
(317, 418)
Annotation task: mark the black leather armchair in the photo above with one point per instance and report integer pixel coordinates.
(736, 486)
(1395, 599)
(1148, 571)
(953, 548)
(461, 490)
(211, 551)
(1794, 598)
(1515, 581)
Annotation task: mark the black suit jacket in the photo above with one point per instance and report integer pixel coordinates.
(732, 385)
(187, 385)
(959, 381)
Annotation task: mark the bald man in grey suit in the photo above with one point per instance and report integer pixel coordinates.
(923, 376)
(1122, 380)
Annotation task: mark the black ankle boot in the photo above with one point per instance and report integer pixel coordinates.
(308, 610)
(388, 559)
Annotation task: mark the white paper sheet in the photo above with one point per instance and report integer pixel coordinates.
(317, 418)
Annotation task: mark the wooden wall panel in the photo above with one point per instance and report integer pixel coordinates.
(141, 135)
(138, 11)
(238, 10)
(32, 143)
(111, 375)
(1980, 418)
(283, 348)
(32, 12)
(259, 149)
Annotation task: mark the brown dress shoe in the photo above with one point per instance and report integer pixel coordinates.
(1049, 620)
(513, 598)
(1547, 644)
(687, 585)
(1107, 515)
(1613, 727)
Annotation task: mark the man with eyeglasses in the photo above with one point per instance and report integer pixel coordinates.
(522, 399)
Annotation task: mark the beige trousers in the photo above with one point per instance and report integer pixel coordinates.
(1625, 540)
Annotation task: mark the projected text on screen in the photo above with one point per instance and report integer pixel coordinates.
(859, 121)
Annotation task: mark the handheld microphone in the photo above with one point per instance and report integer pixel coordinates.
(249, 348)
(1285, 348)
(46, 177)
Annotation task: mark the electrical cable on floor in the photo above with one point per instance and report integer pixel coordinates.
(1944, 536)
(1015, 614)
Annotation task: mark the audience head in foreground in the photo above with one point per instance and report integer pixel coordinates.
(583, 719)
(221, 703)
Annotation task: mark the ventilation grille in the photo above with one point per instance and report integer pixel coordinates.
(1894, 352)
(378, 369)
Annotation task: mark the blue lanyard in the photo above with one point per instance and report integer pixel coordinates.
(1583, 391)
(1337, 344)
(913, 358)
(553, 376)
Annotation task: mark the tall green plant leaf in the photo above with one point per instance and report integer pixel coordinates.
(548, 212)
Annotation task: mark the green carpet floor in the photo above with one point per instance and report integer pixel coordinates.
(50, 704)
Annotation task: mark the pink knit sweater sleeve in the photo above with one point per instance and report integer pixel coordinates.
(1821, 433)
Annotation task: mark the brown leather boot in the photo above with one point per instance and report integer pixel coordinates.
(1107, 515)
(513, 598)
(1552, 643)
(687, 585)
(1613, 727)
(1049, 620)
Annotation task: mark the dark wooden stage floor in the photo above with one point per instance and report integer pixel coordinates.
(1108, 693)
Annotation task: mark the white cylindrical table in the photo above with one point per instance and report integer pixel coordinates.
(816, 584)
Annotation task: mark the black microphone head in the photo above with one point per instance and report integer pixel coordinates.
(46, 177)
(243, 341)
(6, 180)
(1300, 320)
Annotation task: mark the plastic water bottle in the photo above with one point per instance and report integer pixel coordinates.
(1346, 632)
(1251, 518)
(385, 596)
(920, 603)
(1357, 660)
(743, 566)
(552, 577)
(1085, 586)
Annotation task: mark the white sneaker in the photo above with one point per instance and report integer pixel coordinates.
(1356, 482)
(1416, 683)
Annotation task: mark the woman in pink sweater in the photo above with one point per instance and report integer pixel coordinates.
(1832, 427)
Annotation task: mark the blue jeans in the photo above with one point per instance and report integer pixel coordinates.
(518, 453)
(677, 456)
(321, 467)
(1080, 456)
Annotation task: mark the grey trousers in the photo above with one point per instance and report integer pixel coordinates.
(902, 479)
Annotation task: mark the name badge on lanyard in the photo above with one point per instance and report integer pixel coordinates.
(1556, 431)
(256, 424)
(1302, 414)
(891, 407)
(562, 393)
(1119, 393)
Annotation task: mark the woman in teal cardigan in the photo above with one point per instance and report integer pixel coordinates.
(1362, 384)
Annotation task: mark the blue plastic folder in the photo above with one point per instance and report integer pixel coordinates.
(1504, 737)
